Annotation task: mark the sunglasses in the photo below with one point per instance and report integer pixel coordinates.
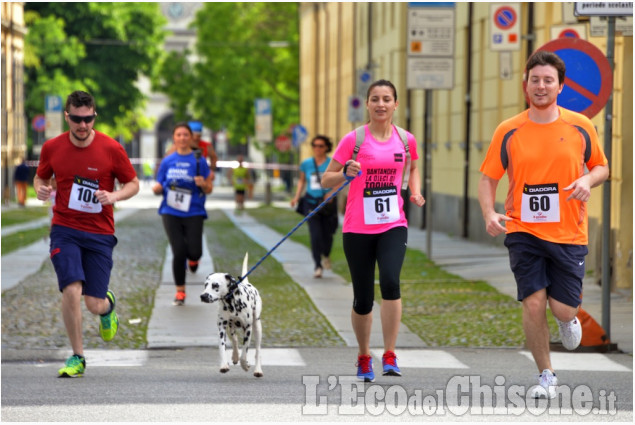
(78, 118)
(319, 146)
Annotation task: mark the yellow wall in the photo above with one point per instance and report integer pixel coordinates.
(336, 36)
(13, 128)
(327, 72)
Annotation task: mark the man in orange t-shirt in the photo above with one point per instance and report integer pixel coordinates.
(544, 151)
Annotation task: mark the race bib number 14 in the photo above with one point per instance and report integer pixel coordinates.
(179, 198)
(83, 196)
(540, 204)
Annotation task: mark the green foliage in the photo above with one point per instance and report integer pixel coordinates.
(237, 62)
(175, 79)
(102, 48)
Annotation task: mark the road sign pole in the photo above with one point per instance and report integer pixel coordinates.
(606, 194)
(428, 171)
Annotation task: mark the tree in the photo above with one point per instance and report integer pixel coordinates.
(176, 82)
(236, 61)
(101, 48)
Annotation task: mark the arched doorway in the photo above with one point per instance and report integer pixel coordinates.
(164, 134)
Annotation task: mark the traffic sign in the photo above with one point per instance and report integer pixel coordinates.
(604, 8)
(364, 80)
(505, 18)
(53, 114)
(39, 123)
(263, 119)
(355, 109)
(299, 134)
(283, 143)
(504, 26)
(589, 78)
(569, 31)
(430, 45)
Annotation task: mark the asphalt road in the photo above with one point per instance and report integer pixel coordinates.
(312, 384)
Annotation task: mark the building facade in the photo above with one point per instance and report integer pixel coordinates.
(13, 125)
(154, 141)
(338, 41)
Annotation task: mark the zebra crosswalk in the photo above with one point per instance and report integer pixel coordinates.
(407, 358)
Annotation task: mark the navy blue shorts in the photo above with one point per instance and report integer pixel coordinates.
(538, 264)
(82, 256)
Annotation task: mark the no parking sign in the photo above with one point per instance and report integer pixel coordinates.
(589, 78)
(504, 26)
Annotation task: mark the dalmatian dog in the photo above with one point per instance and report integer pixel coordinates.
(240, 307)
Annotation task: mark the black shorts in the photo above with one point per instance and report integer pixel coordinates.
(538, 264)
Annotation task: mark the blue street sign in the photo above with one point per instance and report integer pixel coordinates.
(299, 135)
(53, 104)
(263, 106)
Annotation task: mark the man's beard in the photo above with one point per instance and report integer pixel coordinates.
(80, 138)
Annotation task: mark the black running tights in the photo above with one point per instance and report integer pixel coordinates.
(186, 240)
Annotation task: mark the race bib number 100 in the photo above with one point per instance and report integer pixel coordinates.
(381, 205)
(83, 196)
(540, 204)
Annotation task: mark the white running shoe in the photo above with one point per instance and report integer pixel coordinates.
(570, 333)
(547, 385)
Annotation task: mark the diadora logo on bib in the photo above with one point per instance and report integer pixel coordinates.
(541, 188)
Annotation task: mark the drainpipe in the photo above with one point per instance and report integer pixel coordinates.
(370, 37)
(316, 83)
(468, 120)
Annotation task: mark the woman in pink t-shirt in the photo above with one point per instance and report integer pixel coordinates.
(375, 228)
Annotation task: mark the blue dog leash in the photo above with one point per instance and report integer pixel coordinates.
(235, 282)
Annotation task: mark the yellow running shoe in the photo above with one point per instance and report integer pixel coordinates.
(73, 368)
(109, 323)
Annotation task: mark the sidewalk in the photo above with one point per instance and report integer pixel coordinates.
(25, 261)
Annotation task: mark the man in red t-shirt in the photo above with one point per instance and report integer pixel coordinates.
(85, 164)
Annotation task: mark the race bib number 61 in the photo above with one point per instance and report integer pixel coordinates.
(381, 205)
(540, 204)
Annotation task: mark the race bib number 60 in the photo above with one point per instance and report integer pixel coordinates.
(83, 196)
(381, 205)
(540, 204)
